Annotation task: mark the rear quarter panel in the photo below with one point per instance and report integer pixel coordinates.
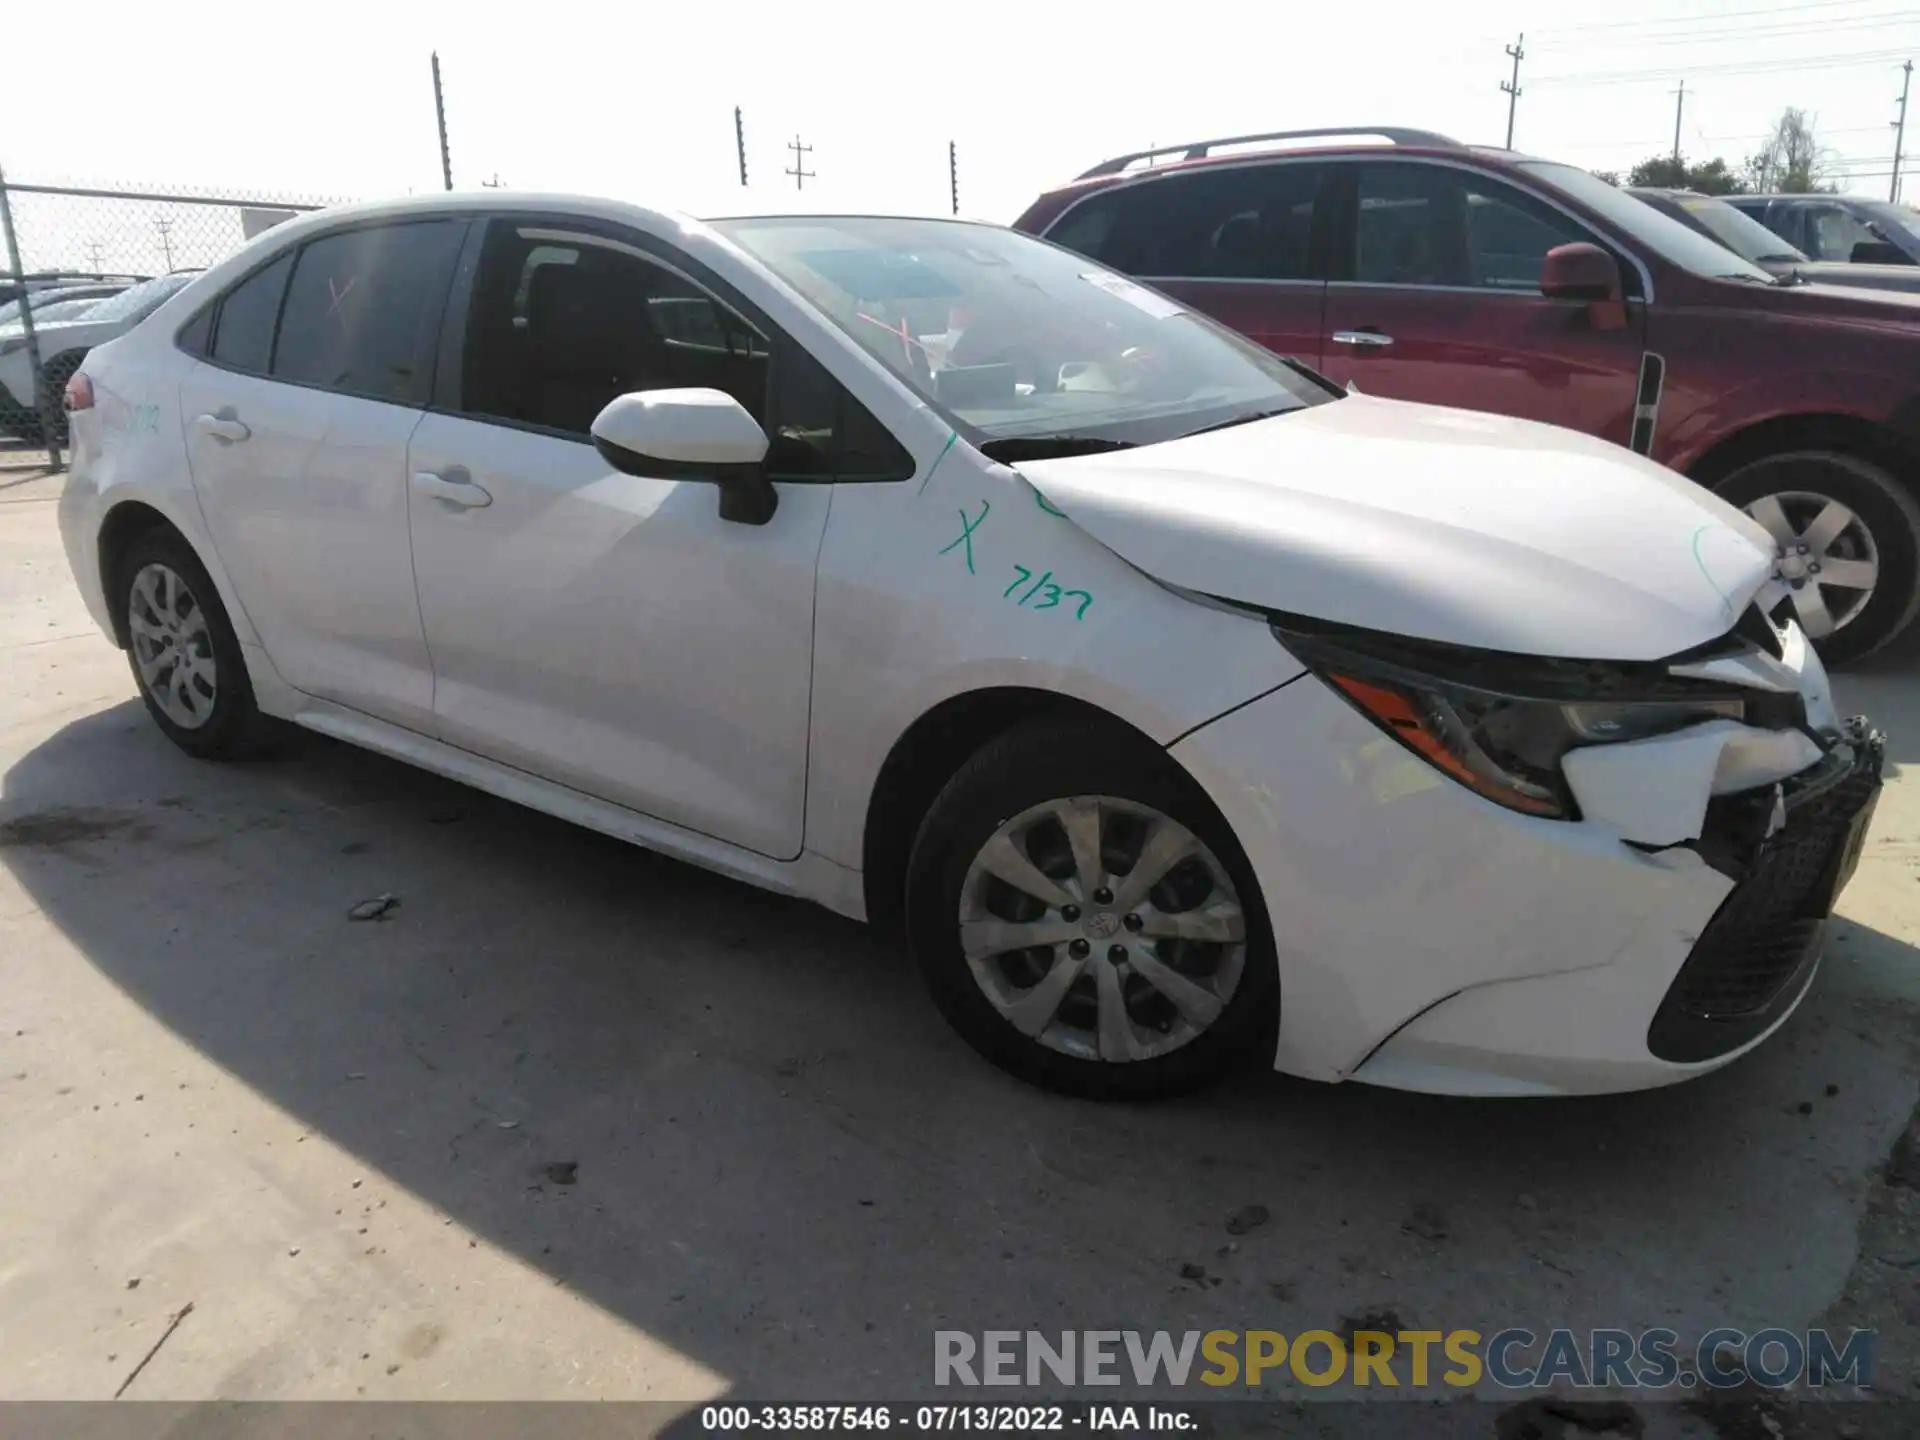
(130, 448)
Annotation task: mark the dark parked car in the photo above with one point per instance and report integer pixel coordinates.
(1842, 228)
(1424, 269)
(1750, 240)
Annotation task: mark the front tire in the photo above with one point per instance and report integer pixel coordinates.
(1847, 538)
(1084, 918)
(185, 656)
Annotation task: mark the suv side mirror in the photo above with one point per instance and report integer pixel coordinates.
(1586, 272)
(694, 434)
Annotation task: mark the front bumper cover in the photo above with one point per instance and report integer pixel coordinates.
(1790, 848)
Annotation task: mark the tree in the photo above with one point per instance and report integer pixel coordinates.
(1793, 161)
(1711, 178)
(1612, 177)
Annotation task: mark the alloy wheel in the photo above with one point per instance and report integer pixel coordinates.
(172, 646)
(1102, 928)
(1825, 555)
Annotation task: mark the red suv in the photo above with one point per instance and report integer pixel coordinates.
(1424, 269)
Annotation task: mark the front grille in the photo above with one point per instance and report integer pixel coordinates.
(1757, 952)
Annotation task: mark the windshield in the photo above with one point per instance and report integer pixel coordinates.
(1011, 338)
(139, 302)
(42, 314)
(1667, 237)
(1739, 232)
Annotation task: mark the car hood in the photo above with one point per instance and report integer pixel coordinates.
(1429, 523)
(1836, 272)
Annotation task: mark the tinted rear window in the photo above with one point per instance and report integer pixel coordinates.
(362, 311)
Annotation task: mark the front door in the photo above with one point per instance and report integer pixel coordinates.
(1436, 298)
(604, 630)
(297, 424)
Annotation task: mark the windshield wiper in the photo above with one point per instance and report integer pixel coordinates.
(1015, 448)
(1247, 419)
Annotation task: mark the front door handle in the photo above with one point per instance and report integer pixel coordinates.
(453, 485)
(1367, 339)
(224, 427)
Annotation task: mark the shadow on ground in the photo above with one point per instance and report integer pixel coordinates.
(788, 1168)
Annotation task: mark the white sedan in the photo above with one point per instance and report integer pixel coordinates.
(62, 337)
(1176, 706)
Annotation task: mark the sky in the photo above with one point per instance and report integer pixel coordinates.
(637, 100)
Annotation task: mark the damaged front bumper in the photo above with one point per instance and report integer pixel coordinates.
(1430, 940)
(1790, 848)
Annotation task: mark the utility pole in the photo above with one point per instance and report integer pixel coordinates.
(493, 184)
(1518, 52)
(953, 174)
(165, 227)
(440, 117)
(740, 143)
(1900, 128)
(1679, 106)
(96, 256)
(799, 172)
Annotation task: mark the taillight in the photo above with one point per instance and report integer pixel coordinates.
(79, 394)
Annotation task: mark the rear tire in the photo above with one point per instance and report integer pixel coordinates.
(1875, 534)
(184, 654)
(1089, 983)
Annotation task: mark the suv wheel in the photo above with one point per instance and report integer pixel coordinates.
(1847, 539)
(1085, 920)
(185, 657)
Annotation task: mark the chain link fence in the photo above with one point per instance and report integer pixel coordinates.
(83, 264)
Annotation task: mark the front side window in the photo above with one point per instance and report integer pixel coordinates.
(562, 322)
(1435, 225)
(1010, 337)
(362, 309)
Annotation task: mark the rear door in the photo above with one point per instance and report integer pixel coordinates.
(1435, 297)
(1242, 243)
(316, 372)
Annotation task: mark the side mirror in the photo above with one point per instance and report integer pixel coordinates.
(1586, 273)
(696, 434)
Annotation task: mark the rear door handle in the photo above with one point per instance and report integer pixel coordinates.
(224, 427)
(453, 486)
(1369, 339)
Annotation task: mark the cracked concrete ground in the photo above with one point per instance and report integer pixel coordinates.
(574, 1121)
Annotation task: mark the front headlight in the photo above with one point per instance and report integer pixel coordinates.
(1501, 724)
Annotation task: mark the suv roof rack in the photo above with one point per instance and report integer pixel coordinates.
(1199, 149)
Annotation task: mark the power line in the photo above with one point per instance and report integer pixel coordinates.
(1725, 15)
(1738, 67)
(1758, 33)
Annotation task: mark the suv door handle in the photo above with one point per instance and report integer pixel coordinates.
(1371, 339)
(223, 427)
(453, 485)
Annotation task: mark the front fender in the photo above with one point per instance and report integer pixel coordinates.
(1687, 434)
